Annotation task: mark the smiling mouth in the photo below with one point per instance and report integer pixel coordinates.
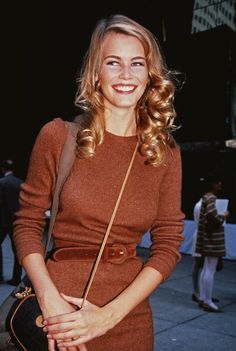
(124, 89)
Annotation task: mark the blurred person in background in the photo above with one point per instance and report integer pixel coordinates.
(198, 259)
(9, 194)
(210, 241)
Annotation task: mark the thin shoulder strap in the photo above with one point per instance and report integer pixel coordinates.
(66, 161)
(109, 227)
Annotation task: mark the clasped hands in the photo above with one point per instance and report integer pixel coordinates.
(72, 330)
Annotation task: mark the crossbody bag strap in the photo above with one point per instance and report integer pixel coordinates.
(66, 161)
(96, 263)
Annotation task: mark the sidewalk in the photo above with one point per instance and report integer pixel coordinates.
(179, 324)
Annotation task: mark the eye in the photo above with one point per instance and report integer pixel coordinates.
(112, 63)
(138, 63)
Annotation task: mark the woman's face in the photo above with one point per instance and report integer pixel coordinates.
(124, 74)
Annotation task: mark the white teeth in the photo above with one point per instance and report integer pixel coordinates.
(124, 88)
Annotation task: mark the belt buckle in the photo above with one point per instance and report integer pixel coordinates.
(119, 255)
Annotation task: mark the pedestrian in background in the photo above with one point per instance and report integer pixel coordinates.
(210, 241)
(9, 203)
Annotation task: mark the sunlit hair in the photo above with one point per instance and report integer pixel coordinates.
(154, 112)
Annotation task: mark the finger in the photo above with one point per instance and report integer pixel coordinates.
(63, 348)
(70, 343)
(58, 328)
(74, 300)
(63, 336)
(79, 342)
(51, 345)
(73, 348)
(82, 347)
(66, 317)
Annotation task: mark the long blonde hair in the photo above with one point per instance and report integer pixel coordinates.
(154, 112)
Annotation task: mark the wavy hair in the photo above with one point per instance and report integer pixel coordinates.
(155, 112)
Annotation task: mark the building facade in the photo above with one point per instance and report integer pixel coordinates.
(209, 14)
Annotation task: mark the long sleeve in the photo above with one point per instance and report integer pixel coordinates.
(167, 229)
(35, 194)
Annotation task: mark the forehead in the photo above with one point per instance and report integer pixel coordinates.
(122, 45)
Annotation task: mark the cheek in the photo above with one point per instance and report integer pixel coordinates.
(143, 79)
(103, 79)
(106, 75)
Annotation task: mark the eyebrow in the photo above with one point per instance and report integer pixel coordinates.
(119, 58)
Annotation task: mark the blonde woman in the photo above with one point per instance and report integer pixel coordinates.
(126, 93)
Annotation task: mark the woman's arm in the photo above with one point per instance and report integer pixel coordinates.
(35, 199)
(141, 288)
(44, 288)
(36, 192)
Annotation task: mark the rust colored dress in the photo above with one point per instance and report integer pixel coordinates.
(151, 201)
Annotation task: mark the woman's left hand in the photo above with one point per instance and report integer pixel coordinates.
(81, 325)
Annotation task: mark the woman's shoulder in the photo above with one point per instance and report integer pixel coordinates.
(55, 127)
(51, 136)
(53, 132)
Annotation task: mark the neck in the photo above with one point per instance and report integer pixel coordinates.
(122, 124)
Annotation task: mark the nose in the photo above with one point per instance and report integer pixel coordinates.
(125, 72)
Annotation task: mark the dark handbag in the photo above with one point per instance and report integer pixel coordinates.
(20, 312)
(25, 324)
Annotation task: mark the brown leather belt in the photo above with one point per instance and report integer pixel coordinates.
(116, 253)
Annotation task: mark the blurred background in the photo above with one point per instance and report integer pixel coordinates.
(43, 48)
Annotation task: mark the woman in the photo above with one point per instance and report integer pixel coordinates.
(210, 242)
(127, 94)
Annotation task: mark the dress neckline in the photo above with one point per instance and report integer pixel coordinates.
(120, 137)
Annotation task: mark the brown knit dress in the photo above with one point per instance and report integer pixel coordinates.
(151, 201)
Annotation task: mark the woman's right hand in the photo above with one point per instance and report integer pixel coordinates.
(55, 306)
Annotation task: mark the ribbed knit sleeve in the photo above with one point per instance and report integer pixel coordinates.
(167, 230)
(35, 194)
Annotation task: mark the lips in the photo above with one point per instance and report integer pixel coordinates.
(124, 88)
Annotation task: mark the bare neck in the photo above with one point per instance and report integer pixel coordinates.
(123, 124)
